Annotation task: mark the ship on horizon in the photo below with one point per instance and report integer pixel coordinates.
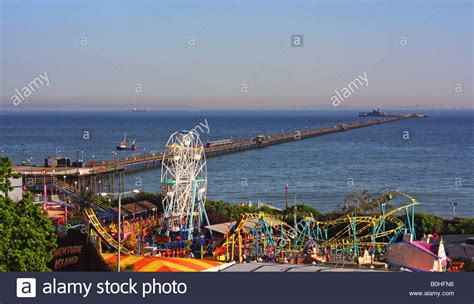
(140, 110)
(374, 113)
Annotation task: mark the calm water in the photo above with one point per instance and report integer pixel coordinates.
(434, 165)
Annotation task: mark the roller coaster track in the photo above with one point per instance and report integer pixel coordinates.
(286, 231)
(372, 220)
(103, 234)
(369, 222)
(350, 230)
(271, 220)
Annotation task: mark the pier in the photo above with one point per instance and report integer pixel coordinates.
(108, 175)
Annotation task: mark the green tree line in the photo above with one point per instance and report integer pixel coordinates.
(26, 235)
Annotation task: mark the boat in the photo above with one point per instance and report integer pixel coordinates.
(421, 115)
(374, 113)
(124, 145)
(139, 110)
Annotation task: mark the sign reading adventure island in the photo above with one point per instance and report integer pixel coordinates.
(75, 253)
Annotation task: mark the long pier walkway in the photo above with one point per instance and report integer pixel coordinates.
(154, 159)
(105, 172)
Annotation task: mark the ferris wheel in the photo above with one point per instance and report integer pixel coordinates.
(184, 183)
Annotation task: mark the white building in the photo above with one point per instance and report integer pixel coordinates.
(17, 193)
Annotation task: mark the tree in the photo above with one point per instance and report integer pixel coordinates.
(26, 236)
(6, 172)
(362, 203)
(355, 201)
(301, 211)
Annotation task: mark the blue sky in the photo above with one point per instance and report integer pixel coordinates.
(237, 44)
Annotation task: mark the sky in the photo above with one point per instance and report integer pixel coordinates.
(236, 54)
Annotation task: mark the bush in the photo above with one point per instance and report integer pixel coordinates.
(426, 223)
(221, 212)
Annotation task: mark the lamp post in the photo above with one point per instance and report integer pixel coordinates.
(93, 177)
(77, 164)
(21, 155)
(454, 208)
(52, 179)
(103, 194)
(45, 190)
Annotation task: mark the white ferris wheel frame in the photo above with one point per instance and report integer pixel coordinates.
(184, 181)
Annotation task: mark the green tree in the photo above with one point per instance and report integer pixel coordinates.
(6, 172)
(301, 211)
(355, 202)
(426, 223)
(26, 236)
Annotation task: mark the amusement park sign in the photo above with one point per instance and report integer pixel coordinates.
(65, 256)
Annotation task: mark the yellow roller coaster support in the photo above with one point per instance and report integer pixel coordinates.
(103, 234)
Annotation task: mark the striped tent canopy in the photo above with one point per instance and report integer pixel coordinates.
(161, 264)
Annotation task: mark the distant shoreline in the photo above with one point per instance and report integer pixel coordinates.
(256, 111)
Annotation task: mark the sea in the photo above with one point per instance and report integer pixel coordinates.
(430, 159)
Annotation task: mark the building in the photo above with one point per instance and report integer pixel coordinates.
(17, 193)
(57, 162)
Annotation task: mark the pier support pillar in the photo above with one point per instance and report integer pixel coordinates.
(111, 187)
(122, 181)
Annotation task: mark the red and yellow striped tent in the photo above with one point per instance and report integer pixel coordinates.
(161, 264)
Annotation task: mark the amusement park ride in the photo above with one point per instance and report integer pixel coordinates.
(184, 184)
(260, 236)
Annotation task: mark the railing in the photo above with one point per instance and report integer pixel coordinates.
(236, 146)
(48, 179)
